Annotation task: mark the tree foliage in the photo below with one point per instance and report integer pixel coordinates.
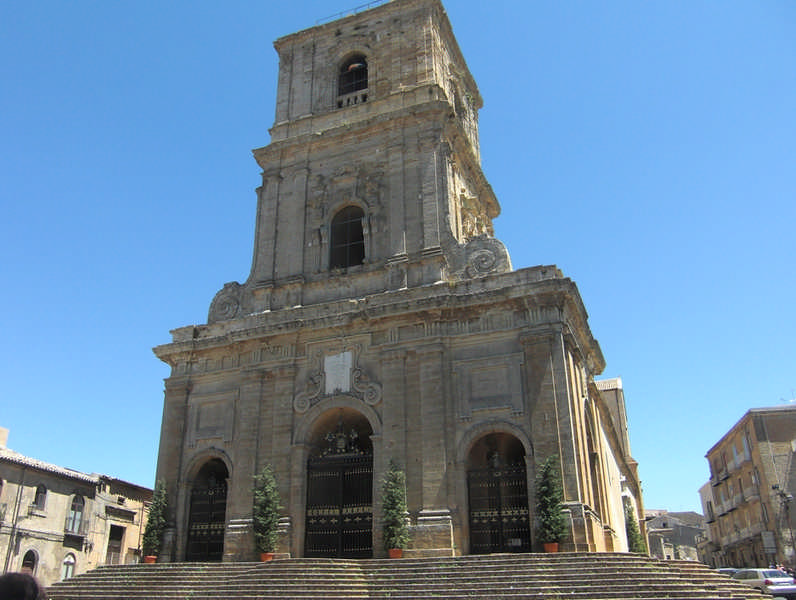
(635, 541)
(549, 496)
(156, 521)
(393, 509)
(265, 510)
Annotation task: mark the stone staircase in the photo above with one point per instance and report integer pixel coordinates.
(583, 576)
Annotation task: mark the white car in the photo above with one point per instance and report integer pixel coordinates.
(763, 579)
(782, 592)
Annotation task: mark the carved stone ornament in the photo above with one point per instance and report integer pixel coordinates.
(369, 391)
(354, 382)
(485, 255)
(226, 304)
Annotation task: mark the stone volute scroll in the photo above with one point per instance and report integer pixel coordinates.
(227, 303)
(337, 374)
(486, 255)
(482, 255)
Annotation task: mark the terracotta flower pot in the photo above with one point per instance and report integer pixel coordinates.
(150, 560)
(550, 547)
(266, 556)
(395, 552)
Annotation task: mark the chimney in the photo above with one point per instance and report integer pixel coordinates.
(3, 437)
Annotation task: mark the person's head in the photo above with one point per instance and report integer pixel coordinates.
(20, 586)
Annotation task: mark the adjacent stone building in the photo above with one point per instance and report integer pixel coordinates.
(56, 522)
(382, 321)
(674, 535)
(748, 503)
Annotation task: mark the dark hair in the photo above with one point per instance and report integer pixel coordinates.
(20, 586)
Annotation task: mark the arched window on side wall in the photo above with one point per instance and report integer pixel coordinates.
(75, 516)
(347, 239)
(68, 567)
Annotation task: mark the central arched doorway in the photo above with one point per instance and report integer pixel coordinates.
(207, 520)
(339, 519)
(497, 485)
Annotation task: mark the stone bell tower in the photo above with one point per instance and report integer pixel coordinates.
(372, 178)
(382, 321)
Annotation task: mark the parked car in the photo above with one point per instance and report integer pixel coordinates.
(727, 570)
(783, 592)
(763, 579)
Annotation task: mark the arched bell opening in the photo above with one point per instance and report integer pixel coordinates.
(207, 513)
(497, 487)
(339, 516)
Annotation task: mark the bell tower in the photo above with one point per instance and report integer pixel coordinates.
(372, 180)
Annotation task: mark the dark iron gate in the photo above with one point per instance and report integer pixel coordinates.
(499, 516)
(206, 522)
(339, 520)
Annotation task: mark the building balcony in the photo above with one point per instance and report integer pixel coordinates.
(751, 494)
(717, 478)
(743, 535)
(710, 517)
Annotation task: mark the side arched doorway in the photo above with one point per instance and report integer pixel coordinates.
(339, 519)
(29, 562)
(497, 487)
(207, 514)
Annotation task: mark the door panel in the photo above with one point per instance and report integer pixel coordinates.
(499, 516)
(339, 520)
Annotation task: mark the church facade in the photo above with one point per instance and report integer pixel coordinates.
(383, 322)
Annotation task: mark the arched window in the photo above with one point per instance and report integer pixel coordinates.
(68, 566)
(29, 563)
(75, 516)
(353, 75)
(41, 497)
(347, 240)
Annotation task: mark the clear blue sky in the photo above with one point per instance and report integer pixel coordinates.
(646, 148)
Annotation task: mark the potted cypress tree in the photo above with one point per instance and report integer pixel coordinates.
(265, 513)
(635, 541)
(155, 523)
(549, 496)
(395, 531)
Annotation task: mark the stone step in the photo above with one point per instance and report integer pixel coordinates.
(566, 575)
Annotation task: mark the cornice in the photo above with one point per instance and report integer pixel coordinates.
(533, 289)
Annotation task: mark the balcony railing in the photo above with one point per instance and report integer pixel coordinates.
(724, 507)
(751, 494)
(357, 97)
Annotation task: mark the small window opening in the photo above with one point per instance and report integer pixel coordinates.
(41, 497)
(353, 75)
(347, 248)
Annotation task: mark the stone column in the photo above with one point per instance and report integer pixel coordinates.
(170, 459)
(433, 533)
(239, 537)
